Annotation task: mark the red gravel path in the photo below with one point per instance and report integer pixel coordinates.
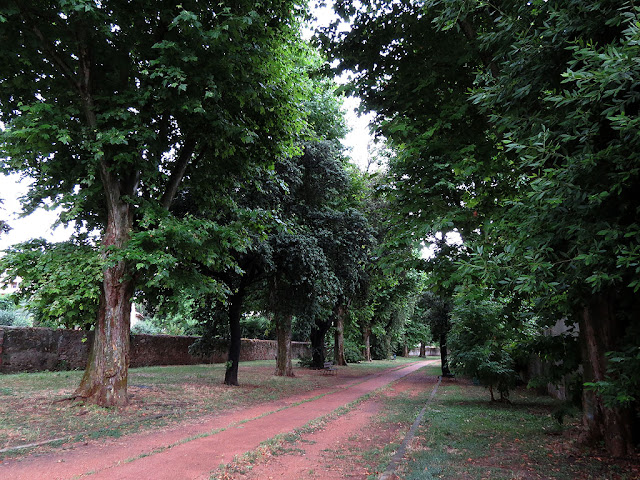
(174, 454)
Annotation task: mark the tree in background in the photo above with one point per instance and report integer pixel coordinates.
(11, 314)
(435, 136)
(303, 206)
(111, 108)
(436, 312)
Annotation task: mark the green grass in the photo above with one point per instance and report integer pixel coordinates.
(465, 436)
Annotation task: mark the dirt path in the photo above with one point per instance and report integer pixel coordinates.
(194, 450)
(349, 447)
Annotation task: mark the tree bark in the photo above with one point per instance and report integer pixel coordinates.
(105, 377)
(405, 350)
(318, 352)
(284, 367)
(443, 356)
(366, 340)
(235, 342)
(600, 331)
(423, 350)
(338, 351)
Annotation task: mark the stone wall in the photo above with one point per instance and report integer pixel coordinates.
(36, 349)
(428, 351)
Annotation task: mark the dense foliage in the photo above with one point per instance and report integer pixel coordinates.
(114, 108)
(537, 169)
(199, 143)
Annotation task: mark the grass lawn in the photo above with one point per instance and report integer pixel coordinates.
(465, 436)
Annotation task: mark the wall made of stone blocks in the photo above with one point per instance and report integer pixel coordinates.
(37, 349)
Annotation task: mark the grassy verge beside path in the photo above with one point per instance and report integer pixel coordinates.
(465, 436)
(33, 409)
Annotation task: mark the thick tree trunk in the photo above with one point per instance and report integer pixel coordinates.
(405, 350)
(366, 340)
(443, 356)
(105, 378)
(600, 332)
(338, 350)
(235, 342)
(284, 367)
(423, 350)
(318, 352)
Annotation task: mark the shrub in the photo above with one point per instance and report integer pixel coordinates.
(481, 342)
(14, 318)
(145, 327)
(352, 351)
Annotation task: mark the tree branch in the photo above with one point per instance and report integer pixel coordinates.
(178, 172)
(472, 36)
(52, 53)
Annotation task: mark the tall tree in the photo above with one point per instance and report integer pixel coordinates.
(291, 198)
(111, 106)
(543, 189)
(560, 91)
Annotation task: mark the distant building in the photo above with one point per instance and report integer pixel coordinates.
(7, 287)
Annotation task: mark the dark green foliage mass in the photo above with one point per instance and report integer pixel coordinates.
(516, 125)
(60, 282)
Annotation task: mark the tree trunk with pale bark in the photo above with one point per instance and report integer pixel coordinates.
(339, 314)
(444, 359)
(366, 340)
(600, 331)
(284, 366)
(105, 378)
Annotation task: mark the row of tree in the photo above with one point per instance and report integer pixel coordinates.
(515, 124)
(196, 148)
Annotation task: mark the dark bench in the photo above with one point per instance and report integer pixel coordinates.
(329, 367)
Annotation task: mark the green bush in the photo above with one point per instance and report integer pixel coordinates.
(256, 326)
(145, 327)
(352, 351)
(481, 344)
(14, 318)
(305, 361)
(12, 315)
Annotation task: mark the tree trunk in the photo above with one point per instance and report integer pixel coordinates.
(366, 339)
(338, 351)
(423, 350)
(284, 366)
(600, 331)
(105, 378)
(443, 356)
(235, 342)
(318, 352)
(405, 350)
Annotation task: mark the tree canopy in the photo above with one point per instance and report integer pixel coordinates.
(113, 108)
(515, 126)
(197, 143)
